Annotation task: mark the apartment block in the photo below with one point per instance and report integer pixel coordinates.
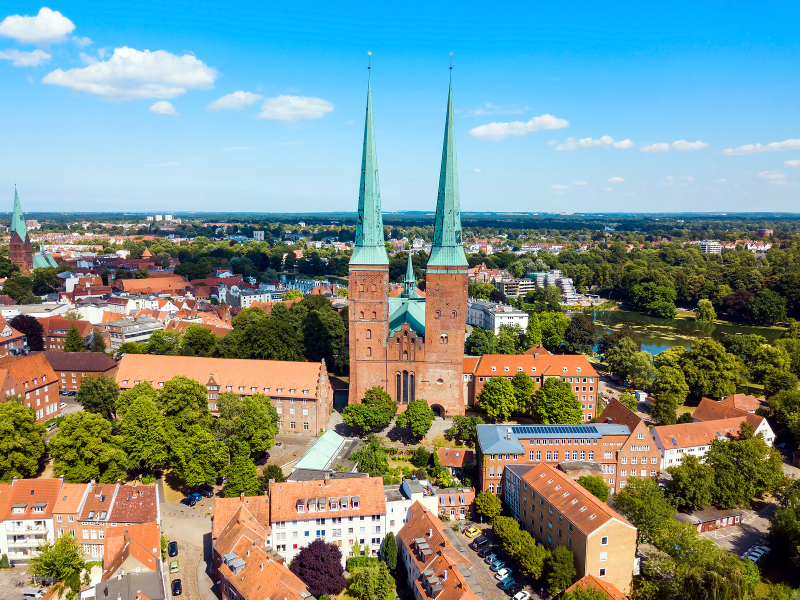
(27, 506)
(710, 410)
(490, 315)
(32, 378)
(558, 511)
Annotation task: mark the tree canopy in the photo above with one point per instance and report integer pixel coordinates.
(556, 403)
(21, 440)
(375, 411)
(84, 449)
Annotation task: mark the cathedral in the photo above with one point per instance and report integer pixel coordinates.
(21, 253)
(413, 347)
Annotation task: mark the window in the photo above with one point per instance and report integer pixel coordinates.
(369, 334)
(604, 540)
(603, 572)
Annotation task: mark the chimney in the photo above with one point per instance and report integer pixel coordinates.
(508, 433)
(430, 532)
(444, 575)
(241, 497)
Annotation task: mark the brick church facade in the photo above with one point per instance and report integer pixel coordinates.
(20, 252)
(413, 347)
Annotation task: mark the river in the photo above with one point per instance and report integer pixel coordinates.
(659, 334)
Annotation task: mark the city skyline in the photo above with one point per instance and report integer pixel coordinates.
(622, 109)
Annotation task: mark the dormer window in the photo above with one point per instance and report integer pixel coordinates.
(494, 368)
(505, 369)
(564, 369)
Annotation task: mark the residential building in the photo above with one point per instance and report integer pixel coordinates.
(710, 410)
(244, 298)
(151, 285)
(343, 512)
(300, 391)
(621, 451)
(71, 367)
(435, 559)
(132, 549)
(558, 511)
(673, 441)
(28, 516)
(258, 236)
(743, 402)
(491, 316)
(516, 287)
(456, 503)
(607, 589)
(512, 485)
(455, 459)
(12, 342)
(130, 330)
(400, 498)
(572, 368)
(31, 378)
(483, 274)
(709, 247)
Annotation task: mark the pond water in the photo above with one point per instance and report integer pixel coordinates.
(659, 334)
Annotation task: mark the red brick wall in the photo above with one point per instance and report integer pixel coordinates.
(21, 253)
(368, 314)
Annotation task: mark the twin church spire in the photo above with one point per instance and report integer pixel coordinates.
(447, 250)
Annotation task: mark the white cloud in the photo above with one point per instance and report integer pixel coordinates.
(294, 108)
(792, 163)
(558, 186)
(687, 178)
(478, 171)
(236, 100)
(233, 148)
(25, 59)
(491, 109)
(606, 140)
(771, 175)
(45, 28)
(615, 180)
(552, 143)
(87, 59)
(608, 189)
(164, 164)
(131, 74)
(679, 146)
(579, 182)
(82, 41)
(162, 107)
(773, 147)
(670, 177)
(497, 131)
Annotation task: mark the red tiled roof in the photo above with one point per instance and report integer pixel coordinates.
(743, 402)
(225, 508)
(561, 365)
(455, 457)
(689, 435)
(28, 492)
(33, 369)
(51, 324)
(98, 502)
(69, 498)
(262, 576)
(470, 363)
(619, 414)
(368, 491)
(606, 588)
(140, 541)
(135, 504)
(711, 410)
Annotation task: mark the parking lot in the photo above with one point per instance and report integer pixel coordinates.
(752, 531)
(485, 576)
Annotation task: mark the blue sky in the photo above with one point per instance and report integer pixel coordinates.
(577, 108)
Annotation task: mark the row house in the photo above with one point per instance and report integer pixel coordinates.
(34, 381)
(621, 452)
(456, 504)
(27, 508)
(558, 511)
(301, 392)
(572, 368)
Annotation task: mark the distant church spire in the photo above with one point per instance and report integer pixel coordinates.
(17, 218)
(410, 282)
(447, 250)
(369, 247)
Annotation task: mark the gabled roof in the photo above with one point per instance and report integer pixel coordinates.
(33, 369)
(95, 362)
(471, 363)
(407, 310)
(24, 493)
(261, 576)
(135, 504)
(286, 496)
(743, 402)
(699, 433)
(142, 542)
(616, 412)
(561, 365)
(455, 457)
(606, 588)
(69, 498)
(711, 410)
(255, 508)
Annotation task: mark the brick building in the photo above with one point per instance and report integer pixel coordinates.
(21, 253)
(412, 347)
(558, 511)
(455, 459)
(621, 451)
(70, 367)
(12, 342)
(300, 391)
(572, 368)
(56, 328)
(456, 503)
(32, 378)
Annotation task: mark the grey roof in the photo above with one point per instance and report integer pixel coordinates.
(125, 588)
(707, 514)
(519, 470)
(318, 474)
(498, 439)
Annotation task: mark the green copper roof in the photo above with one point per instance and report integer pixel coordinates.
(447, 250)
(369, 248)
(17, 218)
(322, 451)
(407, 310)
(410, 281)
(43, 260)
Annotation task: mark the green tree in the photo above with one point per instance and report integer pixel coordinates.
(670, 384)
(269, 338)
(62, 560)
(273, 472)
(556, 404)
(767, 308)
(184, 403)
(644, 505)
(143, 389)
(611, 340)
(198, 340)
(389, 551)
(21, 440)
(291, 294)
(371, 457)
(144, 437)
(705, 312)
(580, 336)
(629, 400)
(524, 389)
(534, 330)
(619, 358)
(246, 424)
(195, 456)
(554, 326)
(520, 546)
(165, 343)
(560, 569)
(692, 484)
(776, 381)
(710, 371)
(785, 405)
(418, 417)
(767, 359)
(464, 429)
(488, 505)
(497, 398)
(595, 485)
(744, 468)
(372, 581)
(420, 457)
(99, 395)
(323, 335)
(73, 341)
(588, 593)
(480, 342)
(84, 449)
(375, 411)
(98, 342)
(33, 330)
(510, 340)
(642, 372)
(242, 478)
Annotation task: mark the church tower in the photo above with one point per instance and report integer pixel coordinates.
(20, 253)
(446, 287)
(368, 285)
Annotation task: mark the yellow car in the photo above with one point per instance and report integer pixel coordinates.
(472, 532)
(173, 566)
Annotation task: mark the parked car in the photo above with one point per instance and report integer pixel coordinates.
(503, 573)
(63, 405)
(195, 496)
(514, 589)
(173, 566)
(172, 549)
(188, 502)
(486, 552)
(522, 595)
(205, 492)
(177, 588)
(490, 558)
(472, 532)
(481, 543)
(497, 565)
(51, 426)
(507, 583)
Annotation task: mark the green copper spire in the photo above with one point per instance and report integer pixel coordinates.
(447, 250)
(369, 248)
(410, 281)
(18, 219)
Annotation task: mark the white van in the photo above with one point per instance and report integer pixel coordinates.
(32, 593)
